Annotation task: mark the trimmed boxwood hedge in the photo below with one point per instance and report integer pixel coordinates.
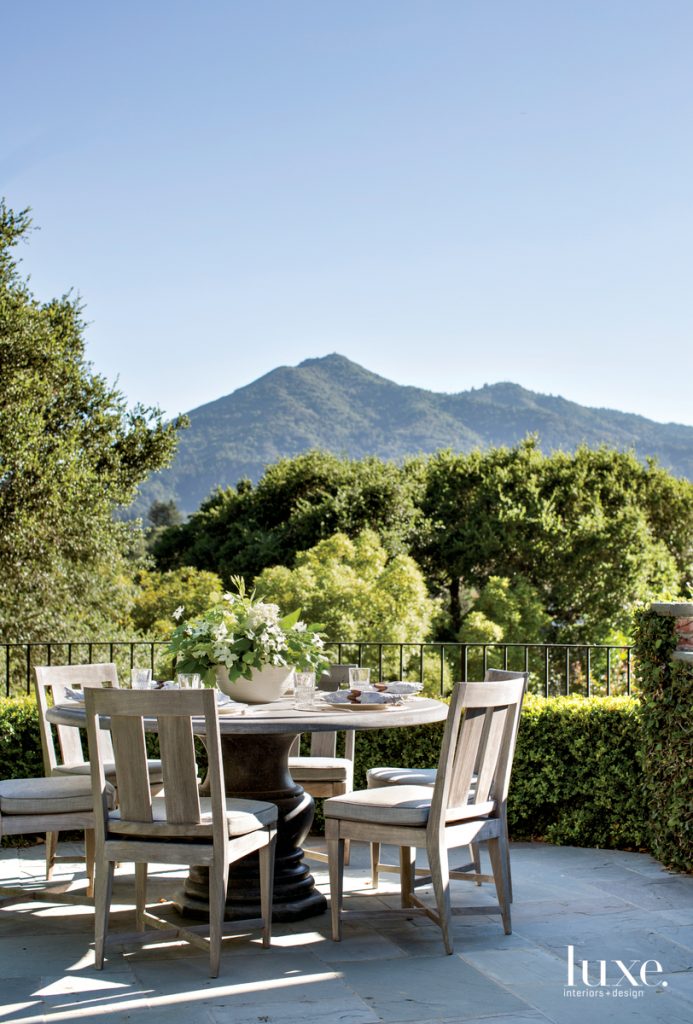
(577, 778)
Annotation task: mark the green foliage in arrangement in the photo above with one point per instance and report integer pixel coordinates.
(667, 739)
(71, 453)
(354, 589)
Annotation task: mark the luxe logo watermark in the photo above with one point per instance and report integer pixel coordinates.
(611, 979)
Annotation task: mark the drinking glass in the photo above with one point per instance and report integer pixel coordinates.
(189, 680)
(304, 689)
(359, 678)
(140, 678)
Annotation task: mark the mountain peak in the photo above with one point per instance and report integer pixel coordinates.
(333, 404)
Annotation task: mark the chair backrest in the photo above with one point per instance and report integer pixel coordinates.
(173, 711)
(478, 740)
(51, 684)
(501, 675)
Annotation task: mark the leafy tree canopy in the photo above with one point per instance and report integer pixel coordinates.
(506, 610)
(70, 454)
(354, 589)
(297, 503)
(581, 537)
(594, 531)
(159, 594)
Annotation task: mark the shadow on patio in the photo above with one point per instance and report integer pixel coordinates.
(607, 905)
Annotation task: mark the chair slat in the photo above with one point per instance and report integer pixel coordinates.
(466, 756)
(493, 741)
(134, 794)
(177, 748)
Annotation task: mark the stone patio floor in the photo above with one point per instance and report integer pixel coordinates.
(607, 905)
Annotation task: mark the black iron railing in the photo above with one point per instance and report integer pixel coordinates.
(555, 669)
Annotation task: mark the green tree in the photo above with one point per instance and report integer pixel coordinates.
(354, 589)
(70, 454)
(506, 610)
(298, 502)
(159, 594)
(591, 531)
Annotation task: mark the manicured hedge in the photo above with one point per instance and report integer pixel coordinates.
(667, 739)
(20, 739)
(577, 778)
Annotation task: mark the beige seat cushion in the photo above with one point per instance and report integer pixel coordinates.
(321, 769)
(156, 773)
(56, 795)
(243, 817)
(397, 805)
(378, 777)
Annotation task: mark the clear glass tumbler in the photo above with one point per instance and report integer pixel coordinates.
(359, 678)
(140, 678)
(304, 689)
(189, 680)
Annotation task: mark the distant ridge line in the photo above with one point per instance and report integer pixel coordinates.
(336, 405)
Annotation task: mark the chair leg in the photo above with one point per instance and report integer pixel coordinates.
(89, 848)
(506, 852)
(140, 894)
(407, 872)
(375, 864)
(51, 848)
(267, 886)
(218, 881)
(440, 874)
(347, 851)
(103, 888)
(335, 859)
(499, 865)
(475, 857)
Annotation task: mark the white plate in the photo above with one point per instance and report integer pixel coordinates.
(232, 708)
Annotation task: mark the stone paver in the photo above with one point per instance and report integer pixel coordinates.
(390, 966)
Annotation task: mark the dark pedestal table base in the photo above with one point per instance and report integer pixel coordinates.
(256, 768)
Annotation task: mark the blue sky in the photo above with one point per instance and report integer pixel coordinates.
(449, 193)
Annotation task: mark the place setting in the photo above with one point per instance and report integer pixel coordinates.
(358, 694)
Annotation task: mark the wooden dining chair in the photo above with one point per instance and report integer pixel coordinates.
(378, 777)
(28, 806)
(323, 774)
(52, 683)
(179, 827)
(478, 740)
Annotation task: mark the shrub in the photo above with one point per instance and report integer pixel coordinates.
(577, 778)
(666, 687)
(20, 739)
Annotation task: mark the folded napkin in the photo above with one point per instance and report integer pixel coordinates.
(367, 697)
(77, 695)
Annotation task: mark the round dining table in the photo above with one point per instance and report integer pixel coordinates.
(255, 744)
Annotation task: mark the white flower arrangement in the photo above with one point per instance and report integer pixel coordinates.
(242, 633)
